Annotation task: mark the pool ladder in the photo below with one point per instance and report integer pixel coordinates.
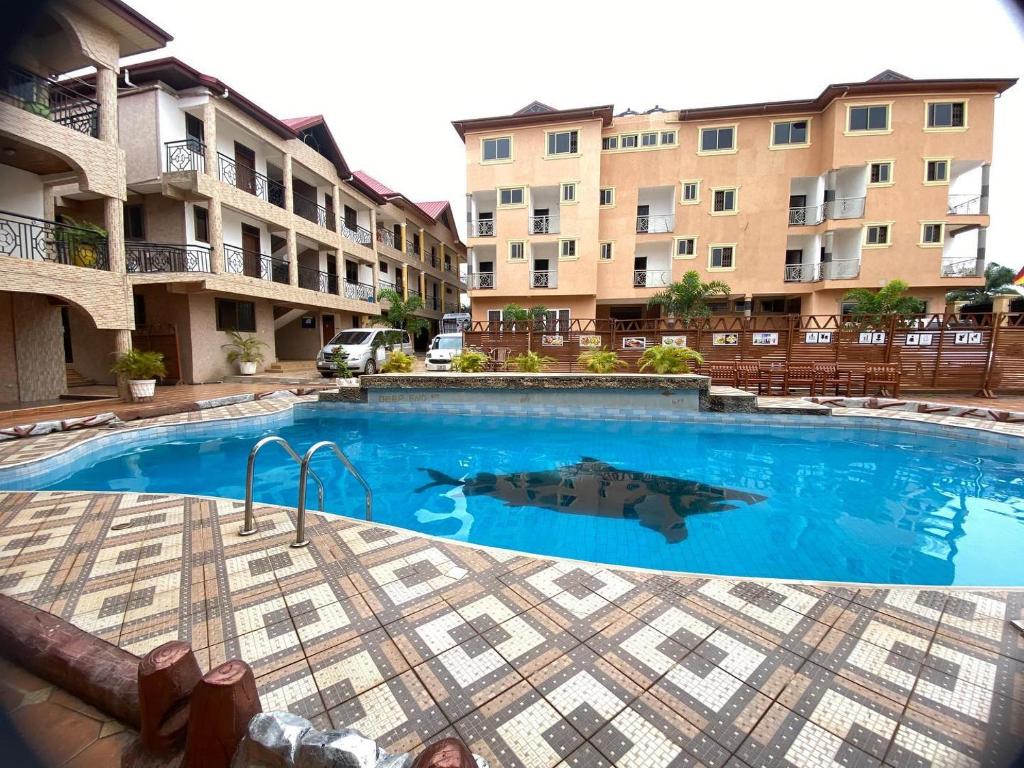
(249, 525)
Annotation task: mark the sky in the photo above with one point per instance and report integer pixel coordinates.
(390, 78)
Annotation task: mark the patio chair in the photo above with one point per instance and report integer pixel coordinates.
(886, 376)
(799, 375)
(749, 375)
(720, 373)
(829, 375)
(499, 358)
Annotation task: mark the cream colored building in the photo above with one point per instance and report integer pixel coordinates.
(589, 213)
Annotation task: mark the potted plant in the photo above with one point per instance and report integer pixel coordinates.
(246, 351)
(80, 243)
(142, 369)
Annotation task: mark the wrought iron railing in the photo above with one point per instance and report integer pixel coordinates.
(313, 279)
(166, 257)
(383, 284)
(245, 178)
(410, 248)
(413, 292)
(432, 303)
(544, 225)
(362, 291)
(802, 273)
(656, 224)
(840, 269)
(650, 278)
(844, 208)
(964, 205)
(433, 260)
(357, 235)
(480, 280)
(386, 237)
(310, 211)
(448, 266)
(451, 306)
(185, 155)
(26, 237)
(255, 264)
(481, 228)
(544, 278)
(961, 268)
(807, 215)
(51, 99)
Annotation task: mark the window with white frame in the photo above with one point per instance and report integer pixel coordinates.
(567, 249)
(936, 171)
(871, 117)
(668, 138)
(649, 139)
(499, 148)
(685, 247)
(722, 139)
(880, 173)
(724, 201)
(511, 196)
(947, 114)
(790, 133)
(606, 251)
(931, 233)
(607, 196)
(876, 234)
(563, 143)
(691, 192)
(516, 250)
(610, 142)
(628, 141)
(722, 257)
(569, 192)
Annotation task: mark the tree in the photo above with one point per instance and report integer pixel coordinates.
(871, 306)
(400, 315)
(538, 316)
(998, 282)
(687, 299)
(515, 316)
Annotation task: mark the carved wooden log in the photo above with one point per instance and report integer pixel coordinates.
(220, 708)
(447, 753)
(95, 671)
(167, 676)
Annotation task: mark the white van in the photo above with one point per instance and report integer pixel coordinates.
(444, 347)
(358, 343)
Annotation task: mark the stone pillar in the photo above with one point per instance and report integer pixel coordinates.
(216, 221)
(113, 222)
(440, 256)
(122, 344)
(339, 270)
(404, 245)
(423, 245)
(210, 141)
(106, 95)
(405, 278)
(286, 175)
(293, 257)
(986, 171)
(339, 208)
(423, 288)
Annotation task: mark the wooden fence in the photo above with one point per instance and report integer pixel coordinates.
(976, 352)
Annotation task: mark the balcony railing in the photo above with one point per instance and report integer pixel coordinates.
(656, 224)
(362, 291)
(451, 306)
(50, 99)
(185, 155)
(314, 280)
(479, 281)
(432, 303)
(383, 284)
(410, 248)
(481, 228)
(650, 278)
(961, 268)
(432, 260)
(166, 257)
(544, 278)
(964, 205)
(840, 269)
(808, 215)
(802, 273)
(310, 211)
(255, 264)
(844, 208)
(448, 266)
(544, 225)
(386, 237)
(413, 292)
(357, 235)
(26, 237)
(245, 178)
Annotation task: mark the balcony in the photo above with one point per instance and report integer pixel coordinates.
(310, 211)
(50, 99)
(414, 292)
(547, 278)
(363, 291)
(806, 216)
(247, 179)
(544, 225)
(963, 205)
(802, 273)
(410, 248)
(432, 303)
(314, 280)
(32, 239)
(357, 234)
(186, 155)
(655, 224)
(844, 208)
(166, 257)
(840, 269)
(386, 237)
(479, 281)
(961, 268)
(651, 278)
(481, 228)
(255, 264)
(451, 306)
(432, 260)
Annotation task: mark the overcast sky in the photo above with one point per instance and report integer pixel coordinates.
(391, 77)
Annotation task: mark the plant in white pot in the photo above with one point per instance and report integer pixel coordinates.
(246, 351)
(142, 369)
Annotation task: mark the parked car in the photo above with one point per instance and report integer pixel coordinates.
(359, 344)
(444, 347)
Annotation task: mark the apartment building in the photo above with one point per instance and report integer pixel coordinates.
(589, 213)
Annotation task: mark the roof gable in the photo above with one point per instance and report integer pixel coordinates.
(535, 108)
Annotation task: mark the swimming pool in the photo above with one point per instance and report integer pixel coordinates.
(708, 496)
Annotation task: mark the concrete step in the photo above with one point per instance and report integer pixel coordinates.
(75, 379)
(292, 366)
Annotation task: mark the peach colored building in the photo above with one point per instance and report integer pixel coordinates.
(589, 213)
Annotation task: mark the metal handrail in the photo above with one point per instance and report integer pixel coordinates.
(249, 524)
(300, 521)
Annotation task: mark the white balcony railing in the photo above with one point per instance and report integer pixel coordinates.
(544, 225)
(656, 224)
(480, 280)
(650, 278)
(481, 228)
(544, 279)
(964, 205)
(840, 269)
(808, 215)
(802, 273)
(961, 268)
(844, 208)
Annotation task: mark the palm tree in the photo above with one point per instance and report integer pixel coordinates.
(687, 299)
(871, 306)
(401, 313)
(998, 282)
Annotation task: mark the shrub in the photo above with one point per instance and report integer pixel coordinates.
(529, 362)
(245, 349)
(669, 360)
(397, 362)
(601, 361)
(340, 359)
(469, 361)
(138, 365)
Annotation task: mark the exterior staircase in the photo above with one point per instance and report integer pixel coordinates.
(75, 379)
(292, 366)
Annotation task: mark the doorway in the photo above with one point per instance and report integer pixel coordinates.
(250, 251)
(639, 271)
(643, 218)
(327, 323)
(245, 168)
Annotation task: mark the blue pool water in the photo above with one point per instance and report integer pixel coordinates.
(810, 503)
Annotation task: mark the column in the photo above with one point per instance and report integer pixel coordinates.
(339, 270)
(423, 288)
(405, 278)
(423, 245)
(106, 95)
(286, 175)
(216, 221)
(122, 344)
(113, 222)
(210, 140)
(986, 171)
(293, 257)
(404, 245)
(339, 208)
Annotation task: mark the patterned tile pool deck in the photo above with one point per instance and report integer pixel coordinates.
(534, 662)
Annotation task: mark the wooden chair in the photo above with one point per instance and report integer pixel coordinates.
(720, 373)
(829, 375)
(749, 375)
(799, 375)
(886, 376)
(499, 358)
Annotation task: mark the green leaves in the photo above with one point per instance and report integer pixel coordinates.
(469, 361)
(136, 364)
(529, 362)
(401, 313)
(873, 306)
(246, 349)
(687, 299)
(601, 361)
(669, 360)
(397, 362)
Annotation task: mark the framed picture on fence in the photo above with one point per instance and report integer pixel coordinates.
(634, 342)
(552, 340)
(818, 337)
(725, 339)
(673, 341)
(967, 337)
(765, 339)
(589, 341)
(871, 337)
(919, 340)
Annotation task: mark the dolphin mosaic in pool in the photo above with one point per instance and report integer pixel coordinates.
(596, 488)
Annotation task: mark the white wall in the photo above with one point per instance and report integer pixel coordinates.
(170, 123)
(965, 179)
(809, 244)
(851, 182)
(846, 244)
(233, 221)
(661, 200)
(963, 247)
(228, 133)
(20, 192)
(810, 186)
(190, 225)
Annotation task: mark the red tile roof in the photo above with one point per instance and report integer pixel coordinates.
(434, 208)
(299, 123)
(379, 187)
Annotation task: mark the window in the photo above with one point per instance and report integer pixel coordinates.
(936, 171)
(794, 132)
(569, 192)
(139, 307)
(880, 173)
(724, 201)
(606, 251)
(629, 141)
(511, 196)
(649, 139)
(567, 249)
(722, 257)
(668, 138)
(868, 118)
(194, 132)
(564, 143)
(718, 139)
(691, 192)
(876, 234)
(608, 196)
(496, 149)
(134, 222)
(610, 142)
(685, 247)
(516, 250)
(947, 114)
(931, 233)
(201, 222)
(236, 315)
